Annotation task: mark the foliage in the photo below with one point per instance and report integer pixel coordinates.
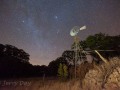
(14, 62)
(101, 41)
(54, 65)
(62, 71)
(69, 56)
(65, 69)
(12, 51)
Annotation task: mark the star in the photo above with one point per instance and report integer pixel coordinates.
(56, 17)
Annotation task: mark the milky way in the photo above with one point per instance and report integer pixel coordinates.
(41, 27)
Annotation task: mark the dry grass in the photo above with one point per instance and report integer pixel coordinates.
(55, 84)
(37, 84)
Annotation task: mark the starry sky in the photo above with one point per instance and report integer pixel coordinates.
(41, 27)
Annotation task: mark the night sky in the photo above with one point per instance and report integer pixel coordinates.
(41, 27)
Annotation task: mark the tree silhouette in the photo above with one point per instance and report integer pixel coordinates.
(2, 47)
(69, 56)
(13, 51)
(102, 41)
(14, 62)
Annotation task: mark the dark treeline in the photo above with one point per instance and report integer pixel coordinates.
(14, 62)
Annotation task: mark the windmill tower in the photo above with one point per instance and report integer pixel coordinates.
(77, 47)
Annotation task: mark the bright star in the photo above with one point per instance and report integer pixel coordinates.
(56, 17)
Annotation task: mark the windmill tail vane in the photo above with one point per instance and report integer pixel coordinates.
(82, 28)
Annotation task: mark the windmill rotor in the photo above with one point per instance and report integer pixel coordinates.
(74, 31)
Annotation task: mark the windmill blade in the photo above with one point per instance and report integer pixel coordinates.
(74, 31)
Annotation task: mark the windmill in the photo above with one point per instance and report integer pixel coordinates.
(74, 31)
(79, 50)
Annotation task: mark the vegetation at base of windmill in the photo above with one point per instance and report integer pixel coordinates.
(65, 69)
(54, 65)
(62, 71)
(82, 69)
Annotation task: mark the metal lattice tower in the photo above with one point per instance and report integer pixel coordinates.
(80, 54)
(77, 47)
